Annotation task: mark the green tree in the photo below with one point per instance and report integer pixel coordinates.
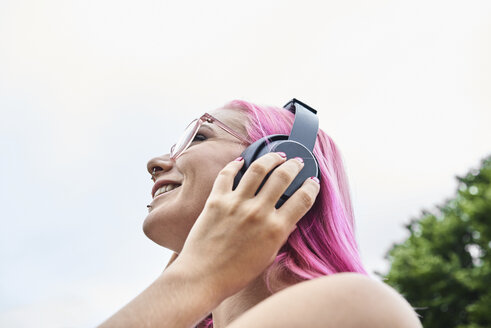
(444, 267)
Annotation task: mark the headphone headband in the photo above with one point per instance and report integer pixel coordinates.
(306, 124)
(294, 101)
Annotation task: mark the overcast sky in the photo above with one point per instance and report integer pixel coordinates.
(91, 90)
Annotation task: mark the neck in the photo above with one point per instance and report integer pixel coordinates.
(235, 305)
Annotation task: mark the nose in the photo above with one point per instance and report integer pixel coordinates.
(160, 164)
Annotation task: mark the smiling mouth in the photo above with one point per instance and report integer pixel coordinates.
(166, 192)
(150, 206)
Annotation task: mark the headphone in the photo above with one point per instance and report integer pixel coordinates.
(300, 143)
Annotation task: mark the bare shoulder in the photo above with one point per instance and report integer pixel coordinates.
(340, 300)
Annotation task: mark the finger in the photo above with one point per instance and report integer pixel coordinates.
(225, 178)
(256, 172)
(299, 203)
(279, 181)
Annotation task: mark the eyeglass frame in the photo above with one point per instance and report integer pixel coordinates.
(209, 119)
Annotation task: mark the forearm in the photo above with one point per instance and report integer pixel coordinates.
(173, 300)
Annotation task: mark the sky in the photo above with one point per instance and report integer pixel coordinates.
(91, 90)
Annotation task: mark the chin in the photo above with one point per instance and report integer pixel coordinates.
(163, 233)
(169, 222)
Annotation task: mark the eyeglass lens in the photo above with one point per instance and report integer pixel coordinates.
(185, 138)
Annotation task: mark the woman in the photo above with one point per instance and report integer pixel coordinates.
(240, 258)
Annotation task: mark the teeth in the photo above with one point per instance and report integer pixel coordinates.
(165, 188)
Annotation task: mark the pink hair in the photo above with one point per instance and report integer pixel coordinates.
(324, 242)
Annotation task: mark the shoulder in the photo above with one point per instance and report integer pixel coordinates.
(340, 300)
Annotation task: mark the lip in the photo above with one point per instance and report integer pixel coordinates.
(160, 183)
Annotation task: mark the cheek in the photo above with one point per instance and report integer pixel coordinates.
(201, 166)
(201, 189)
(202, 176)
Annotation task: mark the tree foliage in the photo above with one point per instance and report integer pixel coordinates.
(443, 269)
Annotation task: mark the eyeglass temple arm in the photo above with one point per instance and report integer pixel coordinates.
(226, 128)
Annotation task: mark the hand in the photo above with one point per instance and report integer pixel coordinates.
(238, 234)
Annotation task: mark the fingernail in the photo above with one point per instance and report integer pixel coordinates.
(238, 159)
(315, 179)
(282, 154)
(300, 159)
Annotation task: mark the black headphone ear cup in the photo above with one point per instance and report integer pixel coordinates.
(292, 149)
(310, 168)
(256, 150)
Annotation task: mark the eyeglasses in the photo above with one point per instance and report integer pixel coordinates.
(191, 130)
